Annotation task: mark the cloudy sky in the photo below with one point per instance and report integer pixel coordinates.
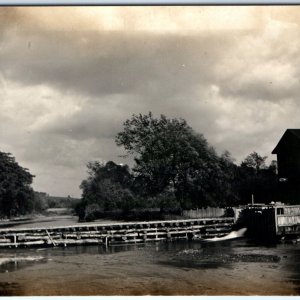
(70, 76)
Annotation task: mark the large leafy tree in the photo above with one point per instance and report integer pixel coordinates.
(170, 155)
(16, 195)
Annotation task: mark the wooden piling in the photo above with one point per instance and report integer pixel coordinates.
(15, 240)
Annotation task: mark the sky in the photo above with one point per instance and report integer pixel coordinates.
(70, 77)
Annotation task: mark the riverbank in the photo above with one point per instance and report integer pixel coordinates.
(48, 220)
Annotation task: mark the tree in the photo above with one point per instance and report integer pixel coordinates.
(255, 162)
(40, 201)
(16, 195)
(170, 155)
(258, 179)
(107, 187)
(225, 181)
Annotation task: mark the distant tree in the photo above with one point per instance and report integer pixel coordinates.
(16, 195)
(60, 202)
(170, 155)
(257, 179)
(255, 162)
(226, 180)
(40, 201)
(107, 187)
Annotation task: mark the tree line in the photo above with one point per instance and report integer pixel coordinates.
(17, 197)
(174, 168)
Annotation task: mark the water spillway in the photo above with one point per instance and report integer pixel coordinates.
(115, 233)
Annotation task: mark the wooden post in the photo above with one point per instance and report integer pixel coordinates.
(15, 240)
(54, 244)
(168, 235)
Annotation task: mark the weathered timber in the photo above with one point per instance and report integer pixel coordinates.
(273, 221)
(50, 238)
(28, 244)
(116, 226)
(105, 234)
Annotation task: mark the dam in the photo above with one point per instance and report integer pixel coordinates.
(116, 233)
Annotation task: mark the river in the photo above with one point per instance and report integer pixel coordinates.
(233, 267)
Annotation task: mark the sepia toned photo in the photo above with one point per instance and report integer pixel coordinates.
(149, 150)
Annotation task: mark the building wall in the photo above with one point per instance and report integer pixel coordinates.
(288, 157)
(288, 220)
(289, 164)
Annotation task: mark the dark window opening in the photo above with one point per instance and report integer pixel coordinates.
(280, 211)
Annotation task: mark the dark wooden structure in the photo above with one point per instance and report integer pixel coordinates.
(274, 221)
(288, 161)
(288, 155)
(118, 233)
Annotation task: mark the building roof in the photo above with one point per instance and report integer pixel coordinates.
(295, 133)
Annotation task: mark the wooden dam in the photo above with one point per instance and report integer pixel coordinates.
(117, 233)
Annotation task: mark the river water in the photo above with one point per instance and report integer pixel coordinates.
(232, 267)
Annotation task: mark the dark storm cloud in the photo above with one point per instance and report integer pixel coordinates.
(119, 73)
(104, 63)
(154, 66)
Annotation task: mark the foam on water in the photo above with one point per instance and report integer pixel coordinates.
(232, 235)
(5, 260)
